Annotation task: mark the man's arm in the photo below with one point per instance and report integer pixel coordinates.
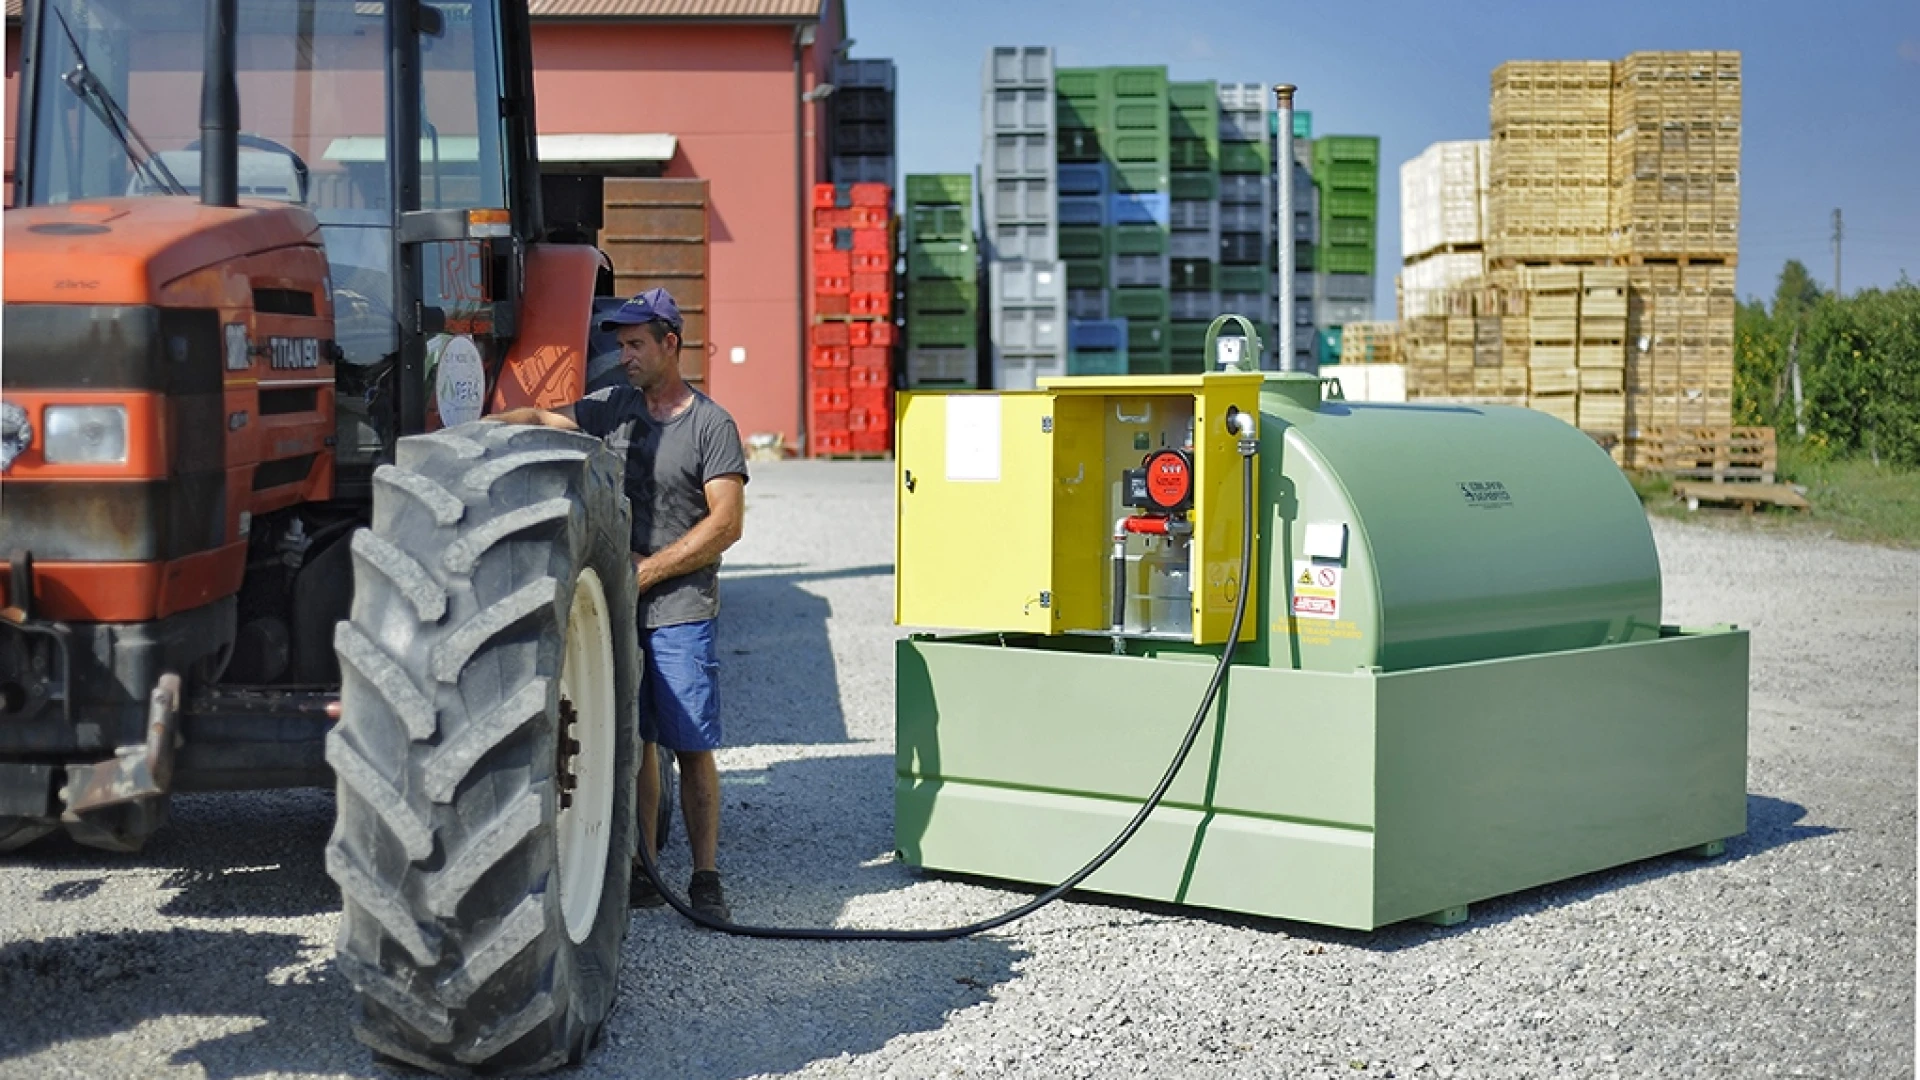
(561, 418)
(702, 545)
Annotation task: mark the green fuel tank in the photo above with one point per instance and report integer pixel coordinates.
(1396, 537)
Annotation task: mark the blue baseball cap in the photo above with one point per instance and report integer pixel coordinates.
(654, 305)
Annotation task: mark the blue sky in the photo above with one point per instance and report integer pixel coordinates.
(1831, 96)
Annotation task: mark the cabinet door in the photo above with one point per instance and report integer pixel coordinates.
(974, 525)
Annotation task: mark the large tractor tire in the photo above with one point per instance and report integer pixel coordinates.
(486, 751)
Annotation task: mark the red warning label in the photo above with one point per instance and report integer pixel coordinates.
(1316, 591)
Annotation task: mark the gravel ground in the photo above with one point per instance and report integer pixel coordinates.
(210, 954)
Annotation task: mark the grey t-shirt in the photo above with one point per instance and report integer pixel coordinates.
(668, 466)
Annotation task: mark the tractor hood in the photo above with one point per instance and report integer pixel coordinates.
(125, 251)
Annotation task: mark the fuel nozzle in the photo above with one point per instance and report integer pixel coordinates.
(1245, 427)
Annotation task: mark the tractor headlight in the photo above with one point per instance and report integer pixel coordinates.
(85, 434)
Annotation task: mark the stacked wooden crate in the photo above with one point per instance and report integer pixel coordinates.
(1602, 355)
(1548, 167)
(1553, 324)
(1676, 155)
(1370, 343)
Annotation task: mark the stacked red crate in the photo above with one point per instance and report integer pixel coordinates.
(850, 351)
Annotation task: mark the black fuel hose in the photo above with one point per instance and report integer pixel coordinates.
(791, 933)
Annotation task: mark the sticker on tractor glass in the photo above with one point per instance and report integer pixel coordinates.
(238, 356)
(1486, 494)
(1316, 591)
(460, 380)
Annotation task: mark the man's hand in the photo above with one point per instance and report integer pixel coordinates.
(561, 418)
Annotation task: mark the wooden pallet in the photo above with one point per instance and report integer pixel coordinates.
(1715, 454)
(1665, 259)
(1747, 497)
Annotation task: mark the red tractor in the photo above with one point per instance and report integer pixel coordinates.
(271, 262)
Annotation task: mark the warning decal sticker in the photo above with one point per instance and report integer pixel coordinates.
(1316, 591)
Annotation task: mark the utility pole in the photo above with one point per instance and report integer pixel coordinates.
(1836, 252)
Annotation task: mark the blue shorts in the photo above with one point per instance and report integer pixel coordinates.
(680, 687)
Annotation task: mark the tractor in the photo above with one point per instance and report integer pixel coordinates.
(268, 265)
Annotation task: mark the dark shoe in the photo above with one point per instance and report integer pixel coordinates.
(705, 896)
(640, 890)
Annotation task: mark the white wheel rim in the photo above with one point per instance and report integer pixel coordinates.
(584, 829)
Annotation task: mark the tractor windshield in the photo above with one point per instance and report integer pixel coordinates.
(116, 111)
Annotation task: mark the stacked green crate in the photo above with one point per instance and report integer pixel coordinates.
(942, 282)
(1135, 138)
(1346, 169)
(1081, 102)
(1194, 116)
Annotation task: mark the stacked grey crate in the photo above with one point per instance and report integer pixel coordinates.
(862, 134)
(1020, 217)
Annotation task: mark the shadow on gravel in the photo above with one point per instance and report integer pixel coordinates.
(1771, 823)
(226, 855)
(776, 664)
(797, 853)
(115, 982)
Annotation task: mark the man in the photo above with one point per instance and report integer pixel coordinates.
(686, 478)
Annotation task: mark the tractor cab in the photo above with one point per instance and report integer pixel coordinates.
(403, 129)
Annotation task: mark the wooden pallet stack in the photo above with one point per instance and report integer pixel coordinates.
(1602, 355)
(1676, 155)
(1553, 329)
(1548, 169)
(1370, 343)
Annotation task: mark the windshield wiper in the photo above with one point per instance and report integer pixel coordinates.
(88, 88)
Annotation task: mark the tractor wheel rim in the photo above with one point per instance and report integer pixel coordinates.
(584, 827)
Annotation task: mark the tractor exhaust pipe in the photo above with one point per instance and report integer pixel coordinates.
(220, 110)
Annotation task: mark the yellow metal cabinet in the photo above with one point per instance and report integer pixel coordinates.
(1007, 502)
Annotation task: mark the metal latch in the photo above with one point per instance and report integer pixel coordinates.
(1046, 425)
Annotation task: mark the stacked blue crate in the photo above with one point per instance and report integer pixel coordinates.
(862, 133)
(1097, 347)
(1019, 188)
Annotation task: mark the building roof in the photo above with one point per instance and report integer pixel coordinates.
(680, 10)
(664, 10)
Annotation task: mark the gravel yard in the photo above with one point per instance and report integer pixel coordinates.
(210, 954)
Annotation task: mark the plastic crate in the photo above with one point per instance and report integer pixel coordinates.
(1194, 245)
(1083, 242)
(1077, 145)
(1347, 176)
(871, 376)
(1245, 217)
(866, 138)
(1083, 179)
(1138, 304)
(1019, 109)
(1097, 361)
(1364, 149)
(1021, 199)
(1191, 275)
(848, 72)
(1137, 240)
(1246, 189)
(859, 169)
(1139, 208)
(1243, 278)
(1082, 274)
(1244, 95)
(949, 188)
(1083, 209)
(1024, 370)
(861, 103)
(1193, 305)
(1338, 260)
(1086, 303)
(1188, 339)
(1139, 148)
(1190, 215)
(936, 297)
(937, 222)
(1351, 232)
(1036, 241)
(1349, 204)
(1192, 186)
(1243, 248)
(943, 261)
(942, 366)
(1097, 334)
(1020, 155)
(1137, 82)
(1192, 154)
(1244, 157)
(1020, 66)
(1142, 271)
(1028, 284)
(1035, 329)
(942, 329)
(1243, 125)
